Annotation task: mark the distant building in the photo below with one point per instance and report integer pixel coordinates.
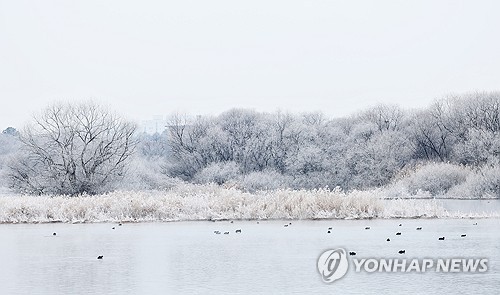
(156, 125)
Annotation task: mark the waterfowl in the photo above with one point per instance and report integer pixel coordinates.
(54, 234)
(99, 257)
(402, 251)
(463, 235)
(441, 238)
(419, 228)
(398, 234)
(400, 224)
(388, 240)
(367, 227)
(328, 232)
(226, 232)
(238, 231)
(352, 253)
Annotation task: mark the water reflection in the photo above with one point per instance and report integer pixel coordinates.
(187, 257)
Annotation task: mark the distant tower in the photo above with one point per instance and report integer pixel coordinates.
(157, 120)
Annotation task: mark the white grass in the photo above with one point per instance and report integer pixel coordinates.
(211, 202)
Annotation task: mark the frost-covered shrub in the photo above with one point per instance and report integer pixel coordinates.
(147, 174)
(218, 173)
(436, 178)
(479, 147)
(264, 180)
(484, 183)
(210, 202)
(312, 180)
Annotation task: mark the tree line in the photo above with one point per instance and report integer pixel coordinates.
(74, 149)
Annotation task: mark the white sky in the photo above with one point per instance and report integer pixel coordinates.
(146, 58)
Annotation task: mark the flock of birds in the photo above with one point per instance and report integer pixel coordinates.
(329, 231)
(403, 251)
(218, 232)
(352, 253)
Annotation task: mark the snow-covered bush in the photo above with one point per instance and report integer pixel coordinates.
(218, 173)
(436, 178)
(264, 180)
(483, 183)
(147, 174)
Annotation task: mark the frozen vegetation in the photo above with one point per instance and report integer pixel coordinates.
(250, 165)
(445, 180)
(213, 202)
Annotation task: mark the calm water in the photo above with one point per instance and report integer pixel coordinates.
(187, 257)
(473, 206)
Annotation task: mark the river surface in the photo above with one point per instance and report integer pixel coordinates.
(487, 207)
(265, 258)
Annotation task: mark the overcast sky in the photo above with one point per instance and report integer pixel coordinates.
(146, 58)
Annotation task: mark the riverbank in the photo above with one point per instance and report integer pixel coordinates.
(210, 202)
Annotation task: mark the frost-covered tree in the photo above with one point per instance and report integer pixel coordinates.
(385, 117)
(476, 110)
(73, 149)
(185, 140)
(431, 133)
(9, 146)
(311, 151)
(153, 146)
(239, 136)
(10, 131)
(477, 148)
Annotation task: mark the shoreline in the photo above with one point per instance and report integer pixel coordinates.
(248, 220)
(189, 202)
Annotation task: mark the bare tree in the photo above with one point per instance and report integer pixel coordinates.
(386, 117)
(184, 140)
(73, 149)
